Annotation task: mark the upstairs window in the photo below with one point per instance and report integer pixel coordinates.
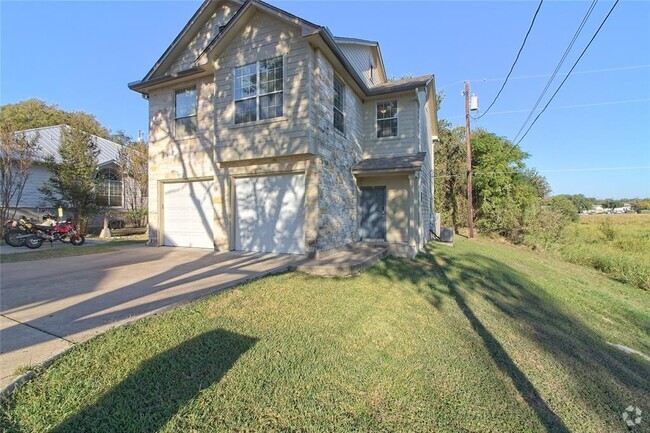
(339, 105)
(259, 90)
(185, 124)
(110, 188)
(386, 119)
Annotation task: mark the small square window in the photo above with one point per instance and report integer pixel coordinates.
(185, 109)
(387, 119)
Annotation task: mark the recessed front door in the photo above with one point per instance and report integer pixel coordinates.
(373, 213)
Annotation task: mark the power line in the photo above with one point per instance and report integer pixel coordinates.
(516, 59)
(526, 77)
(559, 65)
(570, 70)
(552, 170)
(564, 107)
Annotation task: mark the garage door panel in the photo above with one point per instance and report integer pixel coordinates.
(270, 214)
(188, 214)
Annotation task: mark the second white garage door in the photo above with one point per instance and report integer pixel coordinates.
(188, 214)
(270, 213)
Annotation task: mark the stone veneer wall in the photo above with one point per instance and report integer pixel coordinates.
(337, 153)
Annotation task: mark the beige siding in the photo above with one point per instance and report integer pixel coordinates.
(426, 180)
(363, 60)
(397, 205)
(171, 158)
(406, 142)
(209, 31)
(32, 198)
(264, 37)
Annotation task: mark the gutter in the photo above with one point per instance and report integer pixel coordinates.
(361, 173)
(140, 86)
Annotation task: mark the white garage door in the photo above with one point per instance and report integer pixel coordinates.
(270, 214)
(188, 214)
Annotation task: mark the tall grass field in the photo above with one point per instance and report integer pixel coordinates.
(618, 245)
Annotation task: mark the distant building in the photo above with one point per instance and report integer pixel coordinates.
(34, 204)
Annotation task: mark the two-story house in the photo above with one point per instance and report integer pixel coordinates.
(267, 133)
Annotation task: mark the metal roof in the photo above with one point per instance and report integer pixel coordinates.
(49, 140)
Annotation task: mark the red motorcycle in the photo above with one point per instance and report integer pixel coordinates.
(34, 235)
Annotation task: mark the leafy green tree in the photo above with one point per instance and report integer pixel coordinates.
(503, 188)
(639, 205)
(74, 184)
(563, 206)
(449, 175)
(612, 203)
(35, 113)
(133, 164)
(17, 155)
(580, 201)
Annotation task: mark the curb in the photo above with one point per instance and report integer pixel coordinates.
(6, 392)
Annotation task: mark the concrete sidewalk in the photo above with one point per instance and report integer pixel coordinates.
(48, 305)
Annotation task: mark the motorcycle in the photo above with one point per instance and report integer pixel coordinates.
(15, 228)
(33, 235)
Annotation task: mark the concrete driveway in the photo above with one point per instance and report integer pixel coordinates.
(6, 249)
(48, 305)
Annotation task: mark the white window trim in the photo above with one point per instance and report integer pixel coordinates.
(344, 96)
(180, 89)
(257, 93)
(393, 137)
(121, 180)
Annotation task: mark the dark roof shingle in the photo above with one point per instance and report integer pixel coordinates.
(393, 163)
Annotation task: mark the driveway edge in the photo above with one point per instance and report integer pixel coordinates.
(9, 389)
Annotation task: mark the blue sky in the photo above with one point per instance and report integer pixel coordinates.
(81, 55)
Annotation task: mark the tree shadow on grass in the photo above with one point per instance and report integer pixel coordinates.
(147, 399)
(606, 379)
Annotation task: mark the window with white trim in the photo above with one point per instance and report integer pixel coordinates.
(339, 105)
(109, 188)
(185, 106)
(259, 90)
(387, 119)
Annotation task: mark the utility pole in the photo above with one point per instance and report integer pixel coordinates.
(468, 144)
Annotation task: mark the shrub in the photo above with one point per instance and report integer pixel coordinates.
(137, 217)
(607, 229)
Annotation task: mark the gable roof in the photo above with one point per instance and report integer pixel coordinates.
(373, 44)
(192, 27)
(260, 5)
(311, 32)
(49, 140)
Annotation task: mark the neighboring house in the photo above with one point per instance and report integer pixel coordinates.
(34, 204)
(267, 133)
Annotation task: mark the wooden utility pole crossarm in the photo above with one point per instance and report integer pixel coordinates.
(468, 144)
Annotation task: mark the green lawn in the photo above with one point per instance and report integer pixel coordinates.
(480, 337)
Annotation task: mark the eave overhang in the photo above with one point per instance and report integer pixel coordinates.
(144, 86)
(405, 164)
